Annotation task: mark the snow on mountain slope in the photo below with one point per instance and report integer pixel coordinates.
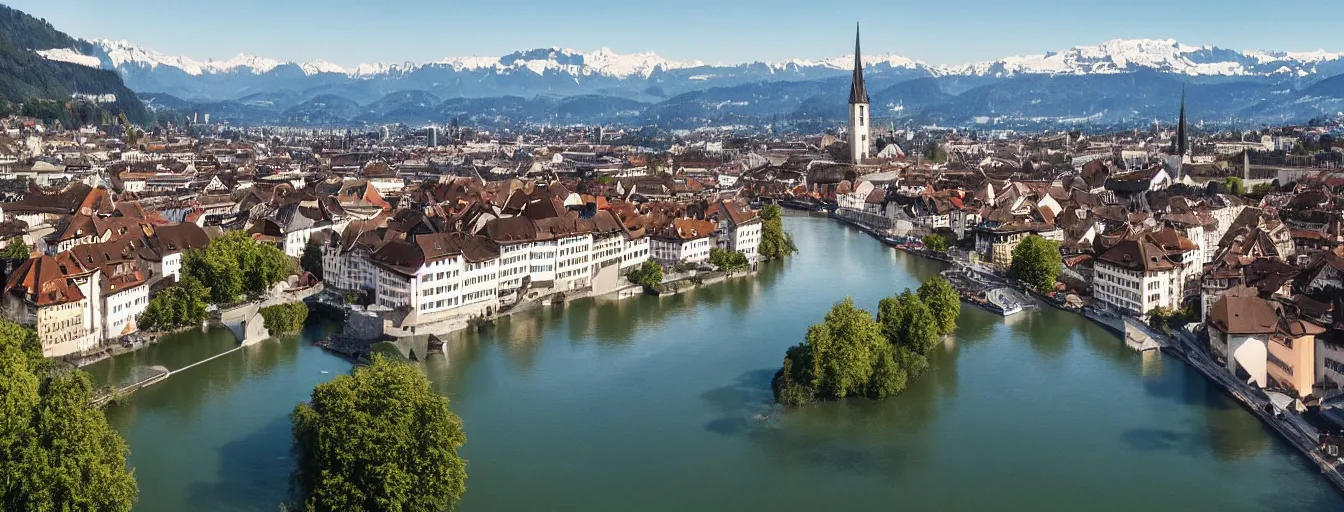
(122, 52)
(71, 56)
(322, 66)
(601, 62)
(1114, 56)
(1166, 55)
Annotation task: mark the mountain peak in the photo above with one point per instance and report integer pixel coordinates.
(1164, 55)
(321, 66)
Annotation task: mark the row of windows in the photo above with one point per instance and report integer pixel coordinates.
(1334, 365)
(441, 262)
(572, 250)
(438, 290)
(571, 273)
(391, 282)
(439, 304)
(440, 276)
(477, 296)
(574, 261)
(137, 302)
(480, 279)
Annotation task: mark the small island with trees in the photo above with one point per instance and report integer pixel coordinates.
(852, 354)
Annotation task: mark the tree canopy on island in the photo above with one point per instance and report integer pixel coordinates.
(943, 302)
(908, 323)
(775, 242)
(1037, 262)
(852, 354)
(379, 439)
(57, 452)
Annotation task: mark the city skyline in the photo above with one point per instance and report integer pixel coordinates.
(352, 34)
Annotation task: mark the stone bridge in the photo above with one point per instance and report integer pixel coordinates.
(246, 323)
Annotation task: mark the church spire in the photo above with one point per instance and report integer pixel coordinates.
(858, 93)
(1182, 138)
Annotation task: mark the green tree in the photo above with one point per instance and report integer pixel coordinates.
(649, 274)
(842, 350)
(284, 318)
(379, 439)
(935, 242)
(943, 302)
(1234, 185)
(1158, 317)
(175, 307)
(1037, 262)
(15, 250)
(908, 323)
(728, 261)
(235, 264)
(775, 242)
(847, 354)
(57, 453)
(311, 260)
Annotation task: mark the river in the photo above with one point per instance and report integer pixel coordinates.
(657, 404)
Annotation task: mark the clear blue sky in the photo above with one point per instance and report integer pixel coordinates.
(350, 32)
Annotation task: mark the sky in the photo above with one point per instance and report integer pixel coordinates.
(350, 32)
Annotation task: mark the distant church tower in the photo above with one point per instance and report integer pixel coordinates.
(1180, 146)
(859, 115)
(1182, 138)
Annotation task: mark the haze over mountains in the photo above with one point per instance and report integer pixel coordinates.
(1114, 83)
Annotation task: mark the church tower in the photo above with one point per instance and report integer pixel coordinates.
(1180, 145)
(1182, 138)
(859, 115)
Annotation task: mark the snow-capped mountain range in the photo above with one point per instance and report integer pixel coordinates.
(1115, 56)
(120, 54)
(1115, 82)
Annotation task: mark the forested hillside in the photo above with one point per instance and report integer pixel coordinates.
(44, 87)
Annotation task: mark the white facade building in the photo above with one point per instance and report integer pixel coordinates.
(572, 269)
(670, 251)
(634, 252)
(1134, 277)
(121, 309)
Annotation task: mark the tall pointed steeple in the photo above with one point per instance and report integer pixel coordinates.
(1182, 138)
(858, 93)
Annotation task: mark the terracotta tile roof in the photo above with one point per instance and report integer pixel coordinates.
(45, 281)
(1240, 314)
(1137, 255)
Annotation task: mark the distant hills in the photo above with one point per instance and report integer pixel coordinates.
(1119, 82)
(29, 77)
